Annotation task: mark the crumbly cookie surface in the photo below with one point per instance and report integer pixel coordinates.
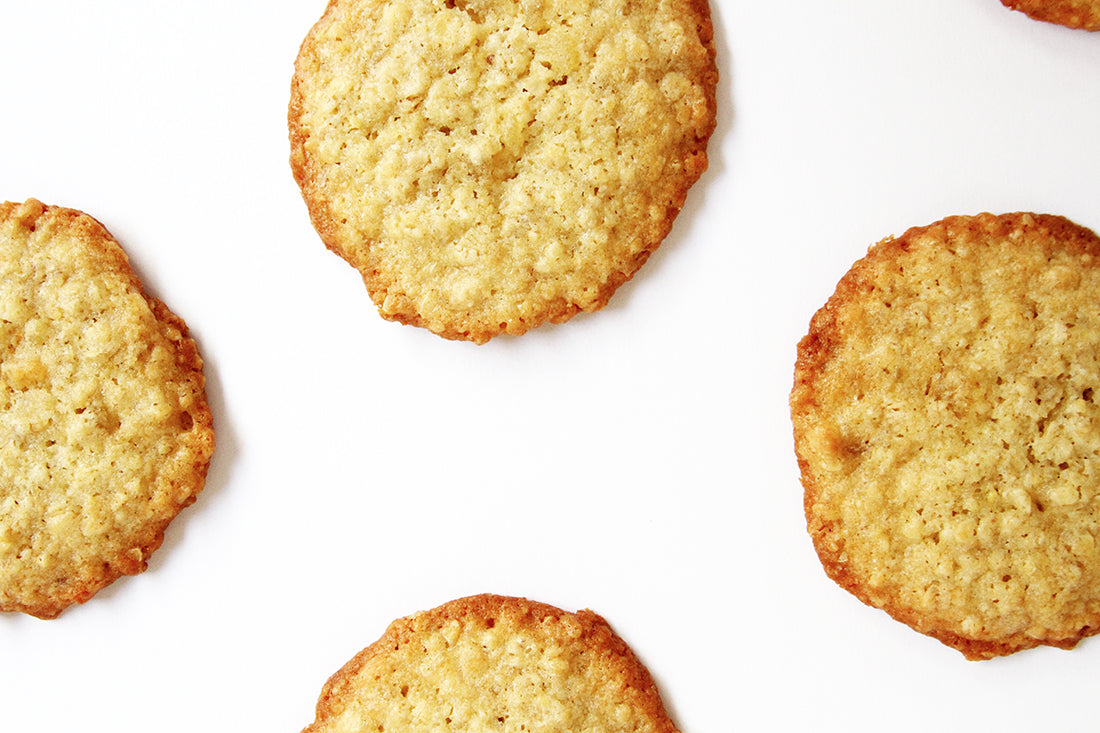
(946, 411)
(1084, 14)
(491, 165)
(494, 663)
(105, 433)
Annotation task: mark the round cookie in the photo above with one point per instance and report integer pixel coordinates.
(1084, 14)
(491, 662)
(946, 412)
(105, 433)
(491, 165)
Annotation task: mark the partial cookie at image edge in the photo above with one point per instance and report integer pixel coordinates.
(499, 660)
(1076, 14)
(108, 431)
(489, 239)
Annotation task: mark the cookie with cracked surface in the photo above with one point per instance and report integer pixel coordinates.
(1083, 14)
(492, 165)
(492, 662)
(105, 433)
(946, 411)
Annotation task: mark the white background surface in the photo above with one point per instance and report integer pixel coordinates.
(637, 461)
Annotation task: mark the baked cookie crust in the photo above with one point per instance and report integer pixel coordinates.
(492, 165)
(946, 411)
(1082, 14)
(491, 662)
(105, 432)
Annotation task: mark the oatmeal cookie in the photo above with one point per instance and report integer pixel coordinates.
(105, 434)
(1083, 14)
(946, 412)
(492, 165)
(494, 663)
